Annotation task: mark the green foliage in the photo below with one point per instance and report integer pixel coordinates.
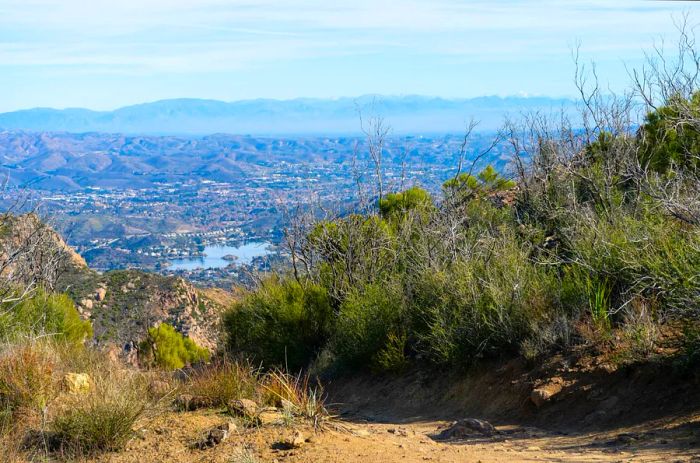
(486, 181)
(668, 135)
(601, 148)
(599, 303)
(353, 251)
(491, 180)
(644, 255)
(393, 357)
(483, 305)
(282, 323)
(42, 313)
(167, 348)
(366, 321)
(397, 204)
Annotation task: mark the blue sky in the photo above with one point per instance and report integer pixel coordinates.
(103, 54)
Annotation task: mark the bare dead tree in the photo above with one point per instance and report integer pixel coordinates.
(671, 80)
(376, 132)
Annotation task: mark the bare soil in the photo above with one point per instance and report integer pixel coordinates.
(602, 414)
(171, 437)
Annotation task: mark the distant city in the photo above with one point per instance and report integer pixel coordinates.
(121, 210)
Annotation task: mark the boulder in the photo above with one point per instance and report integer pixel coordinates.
(270, 417)
(87, 303)
(295, 440)
(544, 393)
(77, 383)
(468, 427)
(100, 294)
(215, 436)
(243, 407)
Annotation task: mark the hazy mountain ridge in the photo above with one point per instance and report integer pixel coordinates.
(66, 161)
(406, 114)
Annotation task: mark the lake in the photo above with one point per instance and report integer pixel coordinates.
(214, 256)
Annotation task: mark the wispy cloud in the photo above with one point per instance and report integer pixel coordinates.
(148, 37)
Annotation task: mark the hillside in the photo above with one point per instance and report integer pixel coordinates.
(70, 162)
(304, 116)
(121, 305)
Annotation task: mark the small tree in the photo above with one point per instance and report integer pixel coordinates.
(167, 348)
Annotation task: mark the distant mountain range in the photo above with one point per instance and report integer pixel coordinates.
(416, 115)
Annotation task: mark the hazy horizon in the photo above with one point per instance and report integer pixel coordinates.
(414, 115)
(362, 97)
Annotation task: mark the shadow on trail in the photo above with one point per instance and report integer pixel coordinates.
(637, 408)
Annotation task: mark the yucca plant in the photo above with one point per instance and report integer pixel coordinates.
(599, 303)
(294, 393)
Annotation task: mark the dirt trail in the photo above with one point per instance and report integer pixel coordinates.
(639, 413)
(349, 440)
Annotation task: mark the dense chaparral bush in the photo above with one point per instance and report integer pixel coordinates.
(597, 230)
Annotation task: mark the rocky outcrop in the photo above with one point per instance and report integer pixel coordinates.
(124, 304)
(32, 252)
(546, 392)
(121, 305)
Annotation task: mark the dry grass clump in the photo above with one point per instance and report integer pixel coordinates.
(41, 418)
(104, 418)
(295, 395)
(27, 384)
(220, 382)
(244, 455)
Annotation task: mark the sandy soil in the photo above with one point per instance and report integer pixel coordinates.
(170, 437)
(638, 413)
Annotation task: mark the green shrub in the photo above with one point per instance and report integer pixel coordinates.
(646, 256)
(167, 348)
(467, 186)
(488, 304)
(366, 327)
(282, 323)
(393, 358)
(365, 321)
(397, 204)
(352, 251)
(54, 315)
(670, 136)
